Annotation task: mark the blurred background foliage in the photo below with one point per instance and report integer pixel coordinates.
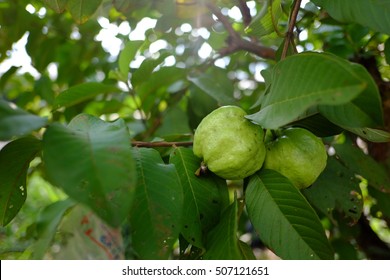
(183, 64)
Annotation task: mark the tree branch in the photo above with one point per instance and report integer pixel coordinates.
(245, 12)
(236, 42)
(290, 32)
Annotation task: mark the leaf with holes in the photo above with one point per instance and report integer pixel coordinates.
(204, 197)
(15, 158)
(364, 165)
(370, 134)
(91, 161)
(155, 218)
(284, 219)
(336, 189)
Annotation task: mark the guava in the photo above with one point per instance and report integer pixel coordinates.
(230, 145)
(297, 154)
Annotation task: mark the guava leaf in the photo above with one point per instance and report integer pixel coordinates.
(370, 134)
(91, 161)
(156, 216)
(222, 241)
(364, 165)
(363, 111)
(387, 50)
(83, 92)
(157, 85)
(374, 14)
(82, 10)
(126, 56)
(15, 122)
(175, 122)
(318, 125)
(15, 158)
(336, 189)
(266, 22)
(57, 5)
(284, 219)
(146, 68)
(48, 221)
(304, 80)
(204, 197)
(215, 82)
(382, 202)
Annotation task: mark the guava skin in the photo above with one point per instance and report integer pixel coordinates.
(297, 154)
(230, 145)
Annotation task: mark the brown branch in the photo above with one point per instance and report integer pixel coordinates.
(236, 42)
(245, 12)
(160, 144)
(291, 25)
(224, 20)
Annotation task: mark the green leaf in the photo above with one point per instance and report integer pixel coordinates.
(246, 251)
(387, 50)
(200, 104)
(360, 163)
(381, 204)
(266, 22)
(175, 122)
(222, 241)
(14, 122)
(336, 189)
(157, 84)
(127, 55)
(156, 215)
(202, 197)
(15, 158)
(363, 111)
(318, 125)
(82, 10)
(83, 92)
(284, 219)
(216, 83)
(91, 161)
(146, 68)
(374, 14)
(57, 5)
(370, 134)
(304, 80)
(47, 225)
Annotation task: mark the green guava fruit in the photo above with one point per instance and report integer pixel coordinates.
(297, 154)
(230, 145)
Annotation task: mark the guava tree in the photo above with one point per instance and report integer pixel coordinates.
(108, 125)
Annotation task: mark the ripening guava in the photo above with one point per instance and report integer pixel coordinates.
(230, 145)
(297, 154)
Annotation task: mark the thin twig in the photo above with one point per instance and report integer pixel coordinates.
(291, 25)
(236, 42)
(160, 144)
(137, 104)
